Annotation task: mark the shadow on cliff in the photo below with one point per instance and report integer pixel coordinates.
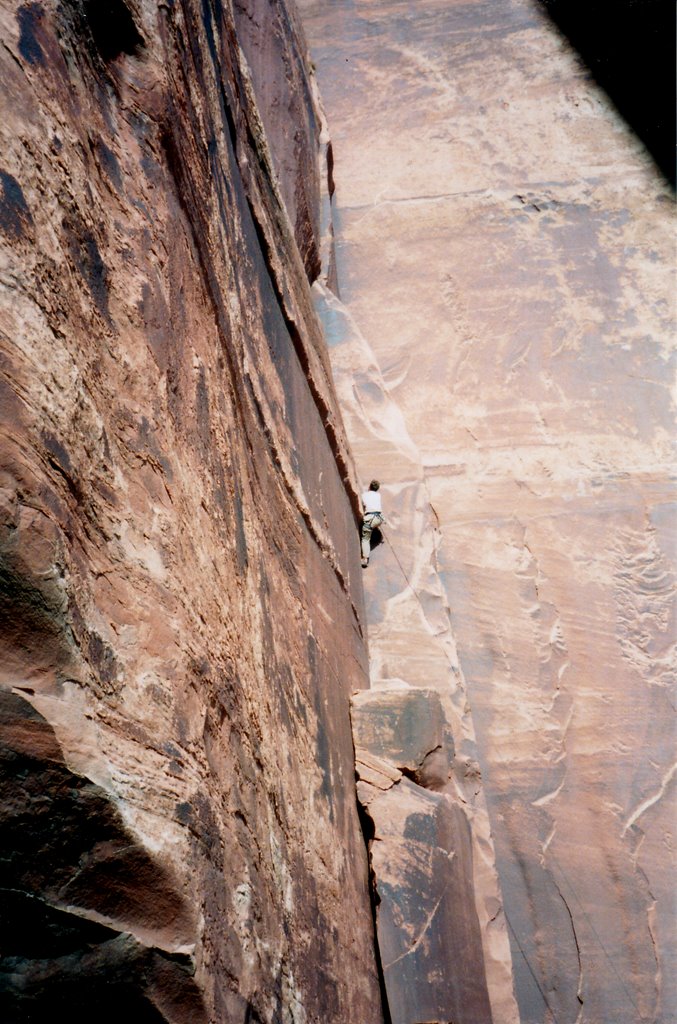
(628, 46)
(80, 901)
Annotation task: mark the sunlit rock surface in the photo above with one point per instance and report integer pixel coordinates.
(502, 352)
(180, 584)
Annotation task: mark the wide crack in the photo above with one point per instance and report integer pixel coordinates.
(369, 831)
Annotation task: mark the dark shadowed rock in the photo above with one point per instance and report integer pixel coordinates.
(88, 917)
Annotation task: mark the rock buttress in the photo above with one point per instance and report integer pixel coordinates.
(429, 934)
(178, 563)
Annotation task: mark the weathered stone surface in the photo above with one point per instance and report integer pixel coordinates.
(408, 728)
(429, 935)
(503, 357)
(273, 44)
(179, 568)
(375, 771)
(70, 867)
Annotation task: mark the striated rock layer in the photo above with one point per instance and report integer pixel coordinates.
(503, 358)
(179, 575)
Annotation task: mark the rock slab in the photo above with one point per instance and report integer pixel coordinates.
(504, 353)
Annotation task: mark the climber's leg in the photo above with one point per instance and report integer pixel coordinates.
(366, 543)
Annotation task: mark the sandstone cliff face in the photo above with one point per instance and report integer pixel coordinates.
(502, 354)
(179, 578)
(429, 935)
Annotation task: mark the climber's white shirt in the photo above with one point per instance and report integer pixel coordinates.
(371, 501)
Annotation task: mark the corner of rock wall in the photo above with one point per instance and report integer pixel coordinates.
(442, 935)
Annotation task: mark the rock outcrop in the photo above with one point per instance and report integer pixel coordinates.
(502, 354)
(180, 583)
(429, 936)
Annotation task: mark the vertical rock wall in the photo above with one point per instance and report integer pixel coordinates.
(429, 934)
(181, 598)
(503, 355)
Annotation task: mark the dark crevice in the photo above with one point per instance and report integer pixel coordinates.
(368, 831)
(304, 361)
(331, 187)
(418, 774)
(413, 774)
(113, 28)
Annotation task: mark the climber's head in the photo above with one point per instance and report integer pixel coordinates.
(374, 485)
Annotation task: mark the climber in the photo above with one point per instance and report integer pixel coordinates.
(372, 519)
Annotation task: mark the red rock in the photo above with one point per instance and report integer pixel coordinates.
(429, 935)
(180, 572)
(274, 46)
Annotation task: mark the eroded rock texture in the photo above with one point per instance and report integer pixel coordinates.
(179, 579)
(503, 357)
(429, 935)
(70, 869)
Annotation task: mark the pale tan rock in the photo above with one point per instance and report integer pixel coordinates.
(415, 636)
(502, 353)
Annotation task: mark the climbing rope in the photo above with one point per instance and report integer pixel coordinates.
(406, 578)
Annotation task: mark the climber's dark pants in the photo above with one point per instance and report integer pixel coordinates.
(369, 522)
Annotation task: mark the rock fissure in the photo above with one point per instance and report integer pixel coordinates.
(326, 416)
(369, 834)
(178, 501)
(579, 989)
(417, 774)
(420, 853)
(493, 253)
